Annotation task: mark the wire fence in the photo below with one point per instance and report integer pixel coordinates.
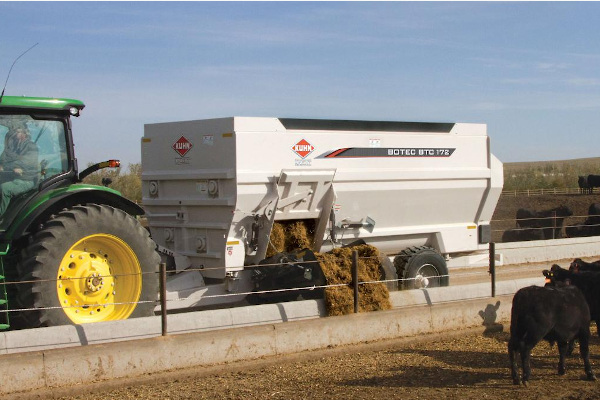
(163, 301)
(540, 227)
(539, 192)
(554, 225)
(547, 227)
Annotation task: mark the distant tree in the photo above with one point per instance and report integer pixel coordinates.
(129, 183)
(548, 174)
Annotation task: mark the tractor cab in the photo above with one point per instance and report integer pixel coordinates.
(48, 215)
(36, 151)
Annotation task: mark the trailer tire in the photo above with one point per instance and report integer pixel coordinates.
(421, 267)
(88, 263)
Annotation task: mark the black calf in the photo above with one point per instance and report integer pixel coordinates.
(557, 314)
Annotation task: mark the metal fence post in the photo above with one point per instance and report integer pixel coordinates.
(355, 279)
(163, 297)
(492, 270)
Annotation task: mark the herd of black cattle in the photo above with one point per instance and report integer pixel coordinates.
(560, 312)
(588, 183)
(548, 224)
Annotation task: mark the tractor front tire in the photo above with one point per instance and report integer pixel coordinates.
(89, 263)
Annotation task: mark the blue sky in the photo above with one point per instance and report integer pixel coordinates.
(531, 71)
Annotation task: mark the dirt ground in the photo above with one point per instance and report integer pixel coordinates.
(455, 365)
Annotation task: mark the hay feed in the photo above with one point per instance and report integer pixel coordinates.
(290, 236)
(337, 268)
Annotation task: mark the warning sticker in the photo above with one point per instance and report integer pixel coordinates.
(208, 140)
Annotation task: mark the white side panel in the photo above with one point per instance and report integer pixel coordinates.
(240, 174)
(421, 197)
(190, 196)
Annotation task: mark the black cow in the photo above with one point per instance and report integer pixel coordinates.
(583, 230)
(580, 230)
(584, 188)
(578, 265)
(593, 219)
(590, 227)
(593, 181)
(594, 210)
(556, 314)
(522, 235)
(587, 281)
(551, 221)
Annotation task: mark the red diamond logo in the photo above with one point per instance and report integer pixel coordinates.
(303, 148)
(182, 146)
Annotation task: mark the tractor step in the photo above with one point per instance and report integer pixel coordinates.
(4, 321)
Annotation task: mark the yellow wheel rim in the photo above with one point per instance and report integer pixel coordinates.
(99, 279)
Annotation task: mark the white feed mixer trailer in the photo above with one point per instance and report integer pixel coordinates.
(422, 193)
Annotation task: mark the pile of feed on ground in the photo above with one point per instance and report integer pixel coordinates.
(337, 268)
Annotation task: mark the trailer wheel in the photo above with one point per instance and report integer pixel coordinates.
(421, 267)
(89, 263)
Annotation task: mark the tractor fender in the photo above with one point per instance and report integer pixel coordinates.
(41, 208)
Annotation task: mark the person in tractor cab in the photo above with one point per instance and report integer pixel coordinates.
(18, 165)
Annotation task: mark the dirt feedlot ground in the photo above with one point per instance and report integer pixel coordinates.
(455, 365)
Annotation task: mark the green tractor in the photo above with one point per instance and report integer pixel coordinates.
(70, 253)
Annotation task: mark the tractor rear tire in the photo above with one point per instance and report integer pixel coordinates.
(89, 263)
(421, 267)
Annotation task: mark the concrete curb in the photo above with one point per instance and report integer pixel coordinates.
(536, 251)
(68, 355)
(125, 359)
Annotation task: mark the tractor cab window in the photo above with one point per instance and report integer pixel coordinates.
(31, 151)
(50, 139)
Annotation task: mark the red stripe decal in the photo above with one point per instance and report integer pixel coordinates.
(336, 153)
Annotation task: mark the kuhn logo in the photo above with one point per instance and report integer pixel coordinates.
(303, 148)
(182, 146)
